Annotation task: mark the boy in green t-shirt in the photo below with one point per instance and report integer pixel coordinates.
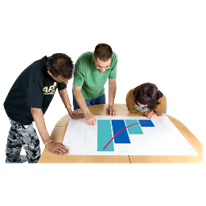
(92, 71)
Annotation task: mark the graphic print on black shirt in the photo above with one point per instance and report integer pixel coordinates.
(33, 88)
(50, 90)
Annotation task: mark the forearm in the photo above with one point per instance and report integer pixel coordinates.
(65, 98)
(80, 99)
(112, 92)
(40, 124)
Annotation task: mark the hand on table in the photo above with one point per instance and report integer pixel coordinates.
(151, 115)
(110, 110)
(77, 115)
(57, 148)
(90, 119)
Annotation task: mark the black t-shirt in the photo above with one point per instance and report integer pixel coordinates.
(33, 88)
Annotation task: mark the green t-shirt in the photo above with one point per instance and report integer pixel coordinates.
(89, 78)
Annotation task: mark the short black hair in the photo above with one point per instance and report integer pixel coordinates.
(103, 52)
(60, 64)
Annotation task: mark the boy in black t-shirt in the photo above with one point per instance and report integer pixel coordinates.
(29, 99)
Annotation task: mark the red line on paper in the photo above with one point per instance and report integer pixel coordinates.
(119, 132)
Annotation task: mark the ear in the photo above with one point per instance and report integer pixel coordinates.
(93, 57)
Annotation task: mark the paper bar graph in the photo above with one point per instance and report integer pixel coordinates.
(155, 137)
(106, 129)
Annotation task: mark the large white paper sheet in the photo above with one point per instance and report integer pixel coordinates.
(163, 139)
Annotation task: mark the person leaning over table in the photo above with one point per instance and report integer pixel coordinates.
(92, 71)
(28, 100)
(146, 100)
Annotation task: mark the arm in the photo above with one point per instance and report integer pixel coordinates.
(112, 88)
(39, 120)
(65, 100)
(40, 123)
(89, 117)
(80, 99)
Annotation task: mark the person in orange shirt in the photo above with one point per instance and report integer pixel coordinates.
(146, 100)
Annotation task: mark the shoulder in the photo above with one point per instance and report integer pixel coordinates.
(37, 70)
(38, 65)
(160, 108)
(114, 59)
(114, 56)
(129, 97)
(84, 60)
(87, 56)
(130, 103)
(130, 94)
(162, 99)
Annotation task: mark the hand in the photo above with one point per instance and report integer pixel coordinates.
(57, 148)
(110, 110)
(151, 115)
(90, 119)
(77, 115)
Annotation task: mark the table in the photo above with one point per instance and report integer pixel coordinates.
(61, 126)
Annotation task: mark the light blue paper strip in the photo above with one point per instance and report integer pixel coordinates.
(134, 129)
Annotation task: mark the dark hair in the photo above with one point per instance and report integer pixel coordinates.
(103, 52)
(147, 93)
(60, 64)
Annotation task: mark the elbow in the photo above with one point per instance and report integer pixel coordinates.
(76, 89)
(35, 111)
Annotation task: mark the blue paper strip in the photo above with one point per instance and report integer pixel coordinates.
(122, 137)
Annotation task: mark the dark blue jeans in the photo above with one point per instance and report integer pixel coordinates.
(98, 100)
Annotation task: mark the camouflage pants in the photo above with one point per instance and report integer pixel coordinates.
(26, 136)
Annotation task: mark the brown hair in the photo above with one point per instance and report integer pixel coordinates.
(60, 64)
(103, 52)
(147, 93)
